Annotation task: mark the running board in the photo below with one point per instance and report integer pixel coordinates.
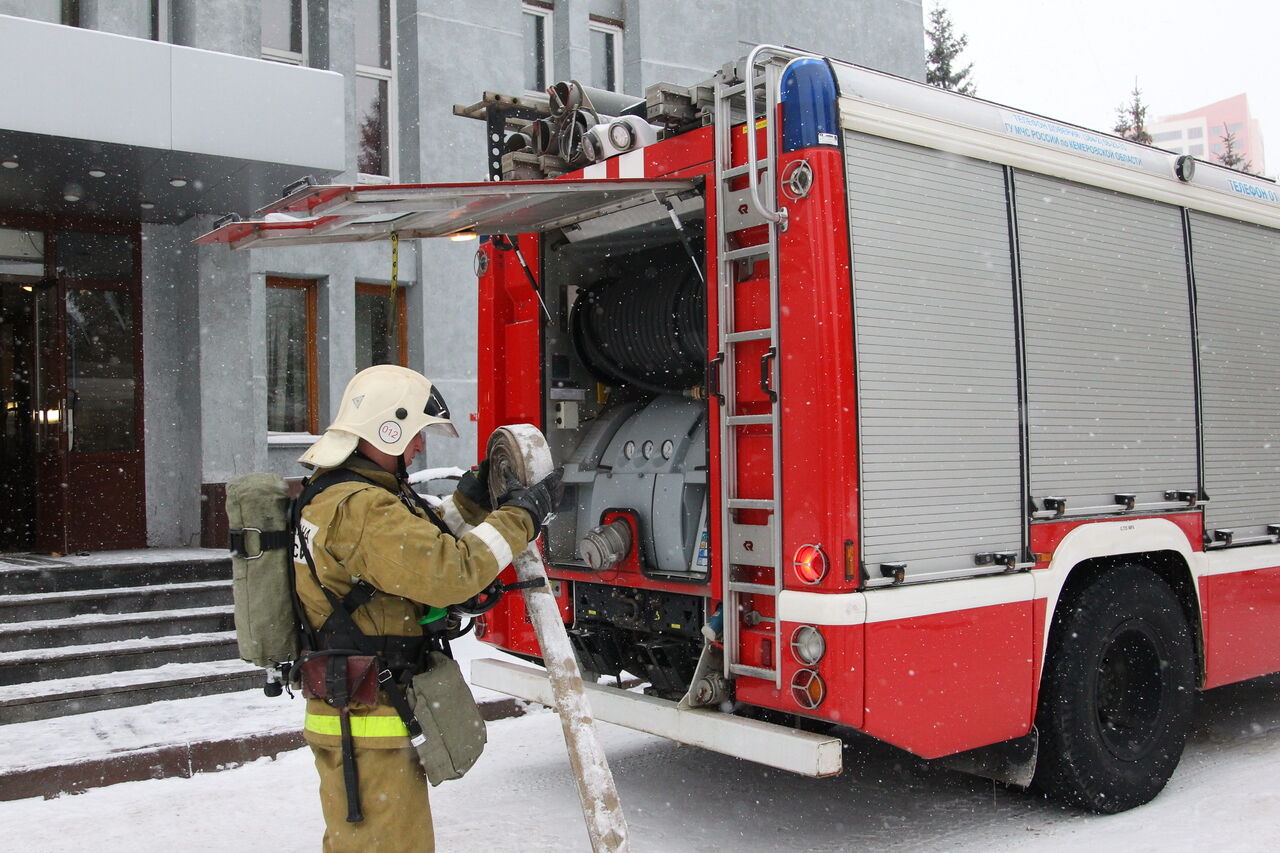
(777, 746)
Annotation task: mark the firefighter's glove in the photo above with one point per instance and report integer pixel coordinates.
(474, 486)
(539, 500)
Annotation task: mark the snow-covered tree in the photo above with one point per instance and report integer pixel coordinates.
(1131, 118)
(1232, 157)
(944, 48)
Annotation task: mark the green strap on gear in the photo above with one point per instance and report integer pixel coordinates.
(433, 613)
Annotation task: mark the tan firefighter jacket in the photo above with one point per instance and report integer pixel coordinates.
(361, 530)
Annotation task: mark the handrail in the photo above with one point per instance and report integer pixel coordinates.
(778, 216)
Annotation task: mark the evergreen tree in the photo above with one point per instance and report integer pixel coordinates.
(1131, 118)
(944, 47)
(1231, 156)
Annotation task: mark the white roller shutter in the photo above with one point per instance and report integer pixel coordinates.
(1108, 341)
(937, 365)
(1237, 269)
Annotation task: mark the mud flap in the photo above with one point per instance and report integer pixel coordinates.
(1012, 762)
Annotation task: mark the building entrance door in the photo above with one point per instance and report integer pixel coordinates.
(78, 382)
(19, 281)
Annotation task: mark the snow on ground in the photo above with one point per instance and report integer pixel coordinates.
(520, 797)
(103, 733)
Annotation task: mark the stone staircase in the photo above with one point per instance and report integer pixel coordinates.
(83, 634)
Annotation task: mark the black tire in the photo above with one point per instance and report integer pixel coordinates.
(1117, 693)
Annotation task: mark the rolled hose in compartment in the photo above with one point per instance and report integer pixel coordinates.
(645, 328)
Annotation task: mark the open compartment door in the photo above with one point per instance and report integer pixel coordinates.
(353, 214)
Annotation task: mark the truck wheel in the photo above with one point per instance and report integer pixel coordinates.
(1117, 693)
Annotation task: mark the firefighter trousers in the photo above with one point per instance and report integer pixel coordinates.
(393, 796)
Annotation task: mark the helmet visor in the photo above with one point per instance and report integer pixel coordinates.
(437, 408)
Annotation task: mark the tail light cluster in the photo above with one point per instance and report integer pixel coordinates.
(808, 647)
(810, 564)
(808, 688)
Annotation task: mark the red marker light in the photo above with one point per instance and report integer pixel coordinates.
(810, 564)
(808, 689)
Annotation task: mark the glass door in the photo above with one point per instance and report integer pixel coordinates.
(87, 397)
(104, 505)
(21, 276)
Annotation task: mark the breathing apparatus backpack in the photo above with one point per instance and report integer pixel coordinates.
(262, 547)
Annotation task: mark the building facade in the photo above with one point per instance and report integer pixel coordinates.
(1201, 132)
(138, 372)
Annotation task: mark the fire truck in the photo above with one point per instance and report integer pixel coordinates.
(880, 407)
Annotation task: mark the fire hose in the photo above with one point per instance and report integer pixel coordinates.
(520, 452)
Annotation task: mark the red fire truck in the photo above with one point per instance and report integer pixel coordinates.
(879, 406)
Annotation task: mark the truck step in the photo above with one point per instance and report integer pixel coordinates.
(21, 703)
(31, 665)
(100, 628)
(770, 744)
(136, 599)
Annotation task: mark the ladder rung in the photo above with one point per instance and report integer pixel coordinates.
(753, 671)
(749, 503)
(739, 171)
(733, 90)
(748, 420)
(753, 335)
(758, 251)
(753, 588)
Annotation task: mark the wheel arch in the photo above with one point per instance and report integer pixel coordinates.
(1092, 549)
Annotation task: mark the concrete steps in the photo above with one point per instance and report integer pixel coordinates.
(100, 658)
(83, 634)
(39, 700)
(133, 599)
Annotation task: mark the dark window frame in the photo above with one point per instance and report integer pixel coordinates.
(309, 288)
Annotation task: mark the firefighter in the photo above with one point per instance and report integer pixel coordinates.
(374, 527)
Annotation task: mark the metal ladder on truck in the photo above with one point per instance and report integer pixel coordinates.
(737, 93)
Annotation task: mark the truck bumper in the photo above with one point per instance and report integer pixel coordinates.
(777, 746)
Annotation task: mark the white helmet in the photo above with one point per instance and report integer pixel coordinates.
(386, 405)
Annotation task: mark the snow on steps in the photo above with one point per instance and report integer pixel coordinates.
(20, 703)
(106, 627)
(129, 599)
(84, 632)
(113, 569)
(99, 658)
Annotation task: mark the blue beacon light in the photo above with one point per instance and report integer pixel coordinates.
(809, 96)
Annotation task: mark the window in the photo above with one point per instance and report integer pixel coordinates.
(1196, 151)
(537, 47)
(291, 356)
(1166, 136)
(606, 55)
(1235, 127)
(374, 343)
(375, 88)
(1195, 133)
(283, 31)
